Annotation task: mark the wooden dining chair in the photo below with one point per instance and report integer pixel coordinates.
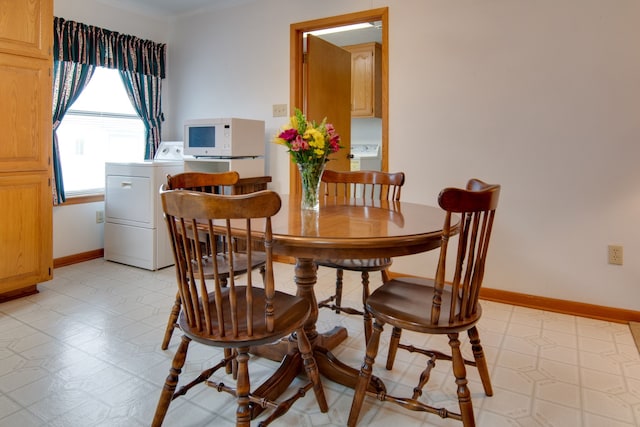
(438, 306)
(236, 316)
(215, 183)
(368, 185)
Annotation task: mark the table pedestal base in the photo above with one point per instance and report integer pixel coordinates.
(329, 366)
(277, 351)
(286, 350)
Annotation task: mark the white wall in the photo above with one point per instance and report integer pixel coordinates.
(542, 97)
(235, 62)
(75, 229)
(100, 14)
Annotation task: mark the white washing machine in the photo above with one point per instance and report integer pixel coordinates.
(134, 230)
(366, 157)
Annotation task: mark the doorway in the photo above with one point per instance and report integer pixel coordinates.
(297, 32)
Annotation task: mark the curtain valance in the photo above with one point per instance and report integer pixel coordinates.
(86, 44)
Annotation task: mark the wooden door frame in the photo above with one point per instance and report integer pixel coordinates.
(296, 73)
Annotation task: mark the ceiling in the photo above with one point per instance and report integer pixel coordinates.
(373, 34)
(169, 8)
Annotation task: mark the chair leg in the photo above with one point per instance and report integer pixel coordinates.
(365, 374)
(366, 316)
(243, 386)
(393, 347)
(171, 382)
(234, 367)
(481, 361)
(171, 323)
(229, 366)
(339, 277)
(311, 369)
(460, 372)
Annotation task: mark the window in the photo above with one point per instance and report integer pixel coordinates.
(101, 126)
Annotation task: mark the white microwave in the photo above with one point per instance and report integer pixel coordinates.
(230, 137)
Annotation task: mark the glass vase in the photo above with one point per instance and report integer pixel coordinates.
(310, 175)
(309, 220)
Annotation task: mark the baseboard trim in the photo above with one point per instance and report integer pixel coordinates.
(610, 314)
(19, 293)
(77, 258)
(592, 311)
(284, 259)
(99, 253)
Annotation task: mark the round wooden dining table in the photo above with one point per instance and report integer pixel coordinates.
(343, 228)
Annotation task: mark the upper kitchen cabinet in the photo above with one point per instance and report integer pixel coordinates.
(25, 113)
(26, 218)
(26, 33)
(366, 79)
(26, 27)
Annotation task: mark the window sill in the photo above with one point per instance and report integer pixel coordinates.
(85, 198)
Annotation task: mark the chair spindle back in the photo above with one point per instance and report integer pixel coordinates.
(476, 206)
(374, 185)
(190, 217)
(216, 183)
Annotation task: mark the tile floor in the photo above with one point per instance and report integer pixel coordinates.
(85, 351)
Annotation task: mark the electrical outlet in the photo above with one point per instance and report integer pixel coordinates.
(99, 217)
(279, 110)
(615, 254)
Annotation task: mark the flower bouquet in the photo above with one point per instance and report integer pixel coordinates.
(309, 145)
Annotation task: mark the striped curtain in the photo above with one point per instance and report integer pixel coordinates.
(144, 92)
(69, 79)
(86, 44)
(141, 63)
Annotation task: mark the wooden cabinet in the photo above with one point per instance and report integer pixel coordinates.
(26, 27)
(26, 228)
(25, 113)
(366, 79)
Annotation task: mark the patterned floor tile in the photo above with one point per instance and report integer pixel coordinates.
(85, 352)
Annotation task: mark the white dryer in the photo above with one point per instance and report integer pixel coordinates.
(134, 230)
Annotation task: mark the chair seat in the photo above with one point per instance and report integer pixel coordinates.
(373, 264)
(290, 313)
(401, 302)
(240, 263)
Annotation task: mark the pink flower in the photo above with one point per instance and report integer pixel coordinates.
(299, 144)
(288, 134)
